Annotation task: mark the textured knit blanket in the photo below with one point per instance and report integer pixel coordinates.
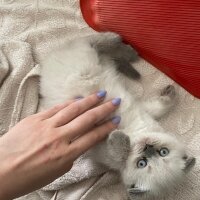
(28, 31)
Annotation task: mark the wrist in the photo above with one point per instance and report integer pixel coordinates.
(7, 168)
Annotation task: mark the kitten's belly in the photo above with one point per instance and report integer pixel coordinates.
(83, 85)
(58, 87)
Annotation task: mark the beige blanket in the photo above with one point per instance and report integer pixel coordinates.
(28, 31)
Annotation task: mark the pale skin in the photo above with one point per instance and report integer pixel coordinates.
(42, 147)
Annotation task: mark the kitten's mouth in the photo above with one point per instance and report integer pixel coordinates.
(189, 163)
(135, 191)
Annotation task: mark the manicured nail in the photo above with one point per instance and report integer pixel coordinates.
(101, 93)
(116, 120)
(116, 101)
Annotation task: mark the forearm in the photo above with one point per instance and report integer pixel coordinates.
(15, 171)
(6, 172)
(20, 171)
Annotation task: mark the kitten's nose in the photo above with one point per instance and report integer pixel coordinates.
(149, 150)
(132, 186)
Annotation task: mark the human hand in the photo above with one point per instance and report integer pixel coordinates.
(43, 146)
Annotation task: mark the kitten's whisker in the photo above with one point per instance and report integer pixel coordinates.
(155, 142)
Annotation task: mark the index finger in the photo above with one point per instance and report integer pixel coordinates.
(77, 108)
(89, 119)
(55, 109)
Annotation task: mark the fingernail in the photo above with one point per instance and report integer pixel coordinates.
(116, 101)
(101, 93)
(116, 120)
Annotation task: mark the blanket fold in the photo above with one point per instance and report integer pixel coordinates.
(16, 67)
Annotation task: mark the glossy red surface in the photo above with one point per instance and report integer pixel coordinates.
(164, 32)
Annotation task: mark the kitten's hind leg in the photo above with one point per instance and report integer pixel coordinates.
(123, 55)
(127, 69)
(111, 44)
(126, 52)
(100, 41)
(159, 106)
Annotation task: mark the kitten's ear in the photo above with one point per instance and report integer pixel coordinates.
(189, 163)
(136, 191)
(118, 145)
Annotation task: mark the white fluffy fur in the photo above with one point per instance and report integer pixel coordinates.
(76, 70)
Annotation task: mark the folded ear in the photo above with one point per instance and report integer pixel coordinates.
(118, 145)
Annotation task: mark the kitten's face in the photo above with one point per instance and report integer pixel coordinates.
(157, 162)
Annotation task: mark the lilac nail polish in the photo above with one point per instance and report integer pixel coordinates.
(116, 120)
(116, 101)
(101, 93)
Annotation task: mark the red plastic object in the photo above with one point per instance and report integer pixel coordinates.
(164, 32)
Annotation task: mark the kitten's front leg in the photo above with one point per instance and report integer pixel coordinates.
(118, 148)
(113, 152)
(160, 105)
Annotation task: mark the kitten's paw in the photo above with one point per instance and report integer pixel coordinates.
(169, 91)
(112, 36)
(118, 145)
(168, 94)
(108, 38)
(158, 106)
(117, 137)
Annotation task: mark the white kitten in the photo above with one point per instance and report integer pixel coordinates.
(150, 161)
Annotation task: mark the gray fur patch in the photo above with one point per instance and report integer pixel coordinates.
(118, 146)
(126, 68)
(120, 53)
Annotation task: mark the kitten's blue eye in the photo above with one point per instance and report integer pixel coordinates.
(142, 163)
(164, 152)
